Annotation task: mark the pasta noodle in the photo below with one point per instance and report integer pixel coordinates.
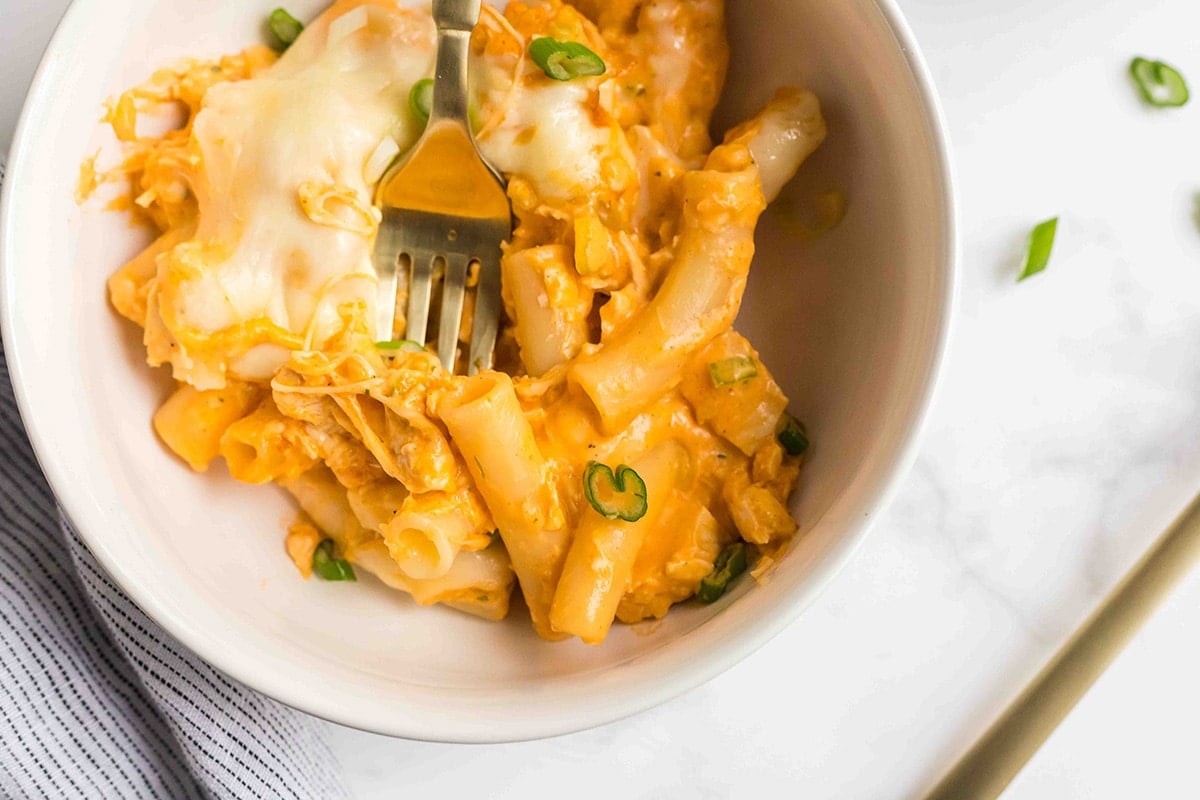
(486, 421)
(628, 435)
(192, 421)
(552, 324)
(429, 530)
(478, 582)
(599, 565)
(267, 446)
(698, 299)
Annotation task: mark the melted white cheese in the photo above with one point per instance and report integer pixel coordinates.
(548, 137)
(317, 116)
(669, 57)
(315, 119)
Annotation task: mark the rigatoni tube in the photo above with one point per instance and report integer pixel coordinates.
(498, 446)
(699, 297)
(549, 305)
(703, 290)
(600, 562)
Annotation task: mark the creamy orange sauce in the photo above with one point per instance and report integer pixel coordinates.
(621, 281)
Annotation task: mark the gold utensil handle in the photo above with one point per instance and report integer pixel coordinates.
(996, 758)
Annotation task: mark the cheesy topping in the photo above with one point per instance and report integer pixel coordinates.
(621, 282)
(278, 169)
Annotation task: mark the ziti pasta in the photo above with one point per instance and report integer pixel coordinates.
(630, 452)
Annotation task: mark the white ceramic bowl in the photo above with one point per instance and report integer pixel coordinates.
(854, 326)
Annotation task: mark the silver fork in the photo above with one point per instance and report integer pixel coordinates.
(443, 204)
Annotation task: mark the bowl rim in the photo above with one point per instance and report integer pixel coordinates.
(229, 661)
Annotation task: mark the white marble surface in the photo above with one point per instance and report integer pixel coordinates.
(1063, 439)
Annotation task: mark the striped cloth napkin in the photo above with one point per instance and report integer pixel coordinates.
(97, 700)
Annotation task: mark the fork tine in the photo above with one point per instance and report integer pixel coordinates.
(419, 289)
(387, 254)
(452, 307)
(487, 317)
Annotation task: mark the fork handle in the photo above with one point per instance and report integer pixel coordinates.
(455, 20)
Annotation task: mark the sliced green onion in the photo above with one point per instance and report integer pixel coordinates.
(1160, 84)
(619, 496)
(328, 567)
(420, 99)
(729, 564)
(563, 61)
(728, 371)
(792, 436)
(420, 104)
(284, 27)
(1041, 242)
(403, 345)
